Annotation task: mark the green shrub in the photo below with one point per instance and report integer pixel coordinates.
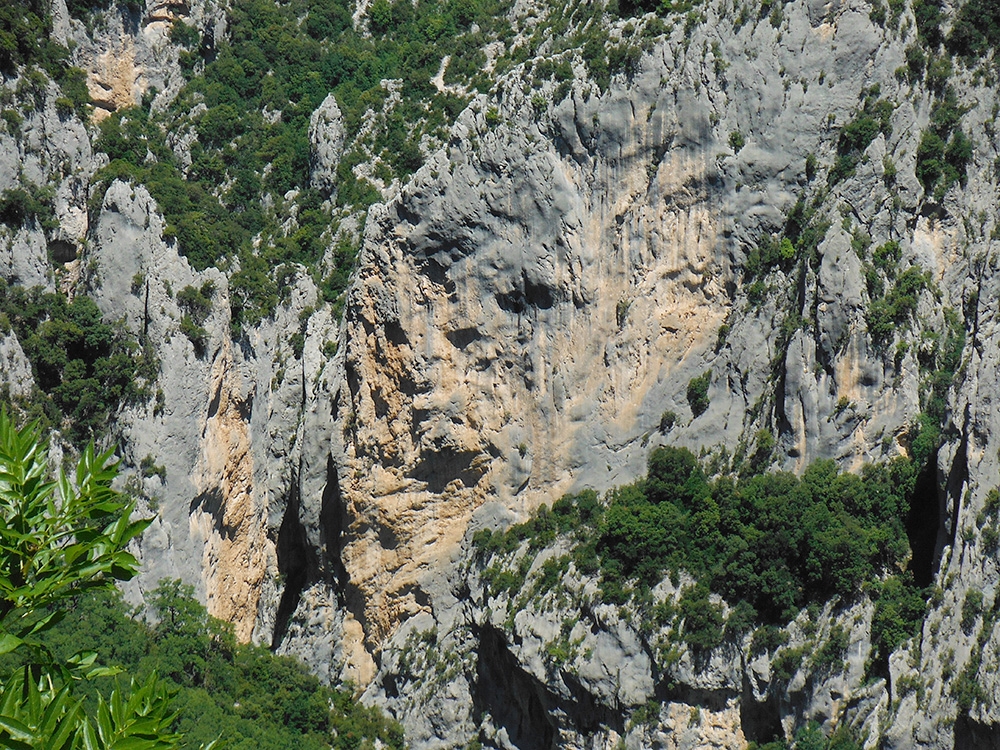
(241, 692)
(830, 656)
(697, 393)
(875, 117)
(703, 621)
(195, 333)
(972, 607)
(149, 468)
(85, 369)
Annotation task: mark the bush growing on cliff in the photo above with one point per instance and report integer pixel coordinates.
(697, 393)
(85, 369)
(773, 541)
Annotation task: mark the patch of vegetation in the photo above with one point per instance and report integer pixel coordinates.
(888, 312)
(197, 306)
(944, 151)
(803, 232)
(771, 543)
(697, 393)
(975, 29)
(28, 204)
(875, 117)
(243, 693)
(246, 198)
(85, 369)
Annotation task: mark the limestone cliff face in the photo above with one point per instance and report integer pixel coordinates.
(528, 311)
(546, 287)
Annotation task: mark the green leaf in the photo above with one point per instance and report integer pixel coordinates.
(16, 729)
(8, 643)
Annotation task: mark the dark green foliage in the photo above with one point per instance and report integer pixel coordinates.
(197, 302)
(25, 26)
(596, 60)
(968, 689)
(702, 629)
(770, 543)
(28, 204)
(627, 8)
(197, 306)
(944, 151)
(875, 117)
(928, 15)
(802, 234)
(697, 393)
(86, 369)
(242, 693)
(886, 314)
(975, 29)
(624, 58)
(149, 468)
(830, 656)
(737, 141)
(767, 639)
(899, 609)
(972, 606)
(812, 166)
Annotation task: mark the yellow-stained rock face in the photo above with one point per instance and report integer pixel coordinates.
(716, 730)
(114, 83)
(237, 551)
(492, 364)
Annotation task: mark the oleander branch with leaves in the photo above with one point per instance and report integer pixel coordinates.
(59, 537)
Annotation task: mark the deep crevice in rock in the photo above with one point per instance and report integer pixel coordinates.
(296, 563)
(521, 704)
(332, 523)
(972, 733)
(924, 523)
(760, 720)
(958, 477)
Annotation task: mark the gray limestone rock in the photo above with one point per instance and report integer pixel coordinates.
(326, 145)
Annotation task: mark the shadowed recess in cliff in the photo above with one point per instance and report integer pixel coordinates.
(970, 733)
(924, 525)
(331, 523)
(517, 701)
(521, 704)
(760, 720)
(333, 520)
(296, 563)
(440, 468)
(668, 690)
(211, 502)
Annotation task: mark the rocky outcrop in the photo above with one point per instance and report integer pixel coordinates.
(326, 141)
(226, 426)
(532, 312)
(542, 293)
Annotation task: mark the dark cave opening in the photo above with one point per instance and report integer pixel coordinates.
(923, 523)
(516, 700)
(294, 563)
(760, 720)
(972, 733)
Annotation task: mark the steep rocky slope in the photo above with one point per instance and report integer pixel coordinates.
(532, 312)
